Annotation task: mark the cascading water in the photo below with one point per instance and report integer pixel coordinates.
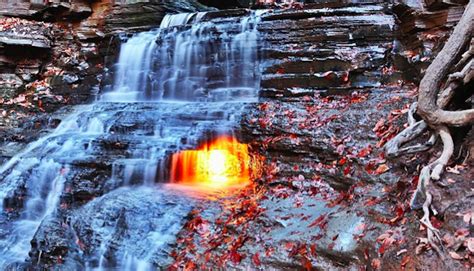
(133, 67)
(172, 85)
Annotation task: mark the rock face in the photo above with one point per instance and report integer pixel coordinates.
(49, 10)
(227, 4)
(331, 95)
(144, 15)
(322, 69)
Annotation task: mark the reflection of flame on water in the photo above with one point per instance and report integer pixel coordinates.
(221, 162)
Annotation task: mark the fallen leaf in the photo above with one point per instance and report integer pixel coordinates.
(420, 249)
(405, 260)
(376, 264)
(312, 249)
(235, 257)
(386, 244)
(448, 240)
(455, 256)
(461, 233)
(318, 221)
(365, 152)
(256, 259)
(306, 263)
(382, 169)
(470, 244)
(469, 218)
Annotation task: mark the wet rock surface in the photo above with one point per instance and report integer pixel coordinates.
(332, 94)
(106, 224)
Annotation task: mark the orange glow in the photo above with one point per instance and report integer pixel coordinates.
(222, 162)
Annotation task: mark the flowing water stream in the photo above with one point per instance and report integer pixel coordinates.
(172, 86)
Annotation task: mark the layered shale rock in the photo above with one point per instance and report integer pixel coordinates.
(331, 94)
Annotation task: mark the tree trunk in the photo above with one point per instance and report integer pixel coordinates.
(438, 71)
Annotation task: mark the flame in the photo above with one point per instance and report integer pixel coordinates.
(222, 162)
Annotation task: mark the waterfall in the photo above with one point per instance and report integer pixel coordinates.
(133, 68)
(172, 85)
(205, 61)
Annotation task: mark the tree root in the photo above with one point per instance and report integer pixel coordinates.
(434, 170)
(430, 172)
(431, 107)
(420, 147)
(414, 130)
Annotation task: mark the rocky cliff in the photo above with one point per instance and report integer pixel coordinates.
(337, 80)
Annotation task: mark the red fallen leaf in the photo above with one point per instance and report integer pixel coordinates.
(40, 105)
(376, 264)
(280, 70)
(312, 249)
(207, 256)
(290, 245)
(400, 212)
(318, 221)
(462, 233)
(256, 259)
(414, 181)
(235, 257)
(370, 167)
(382, 169)
(269, 251)
(387, 242)
(189, 266)
(293, 136)
(372, 201)
(306, 263)
(379, 125)
(342, 161)
(335, 237)
(365, 152)
(317, 237)
(263, 123)
(405, 260)
(347, 170)
(263, 107)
